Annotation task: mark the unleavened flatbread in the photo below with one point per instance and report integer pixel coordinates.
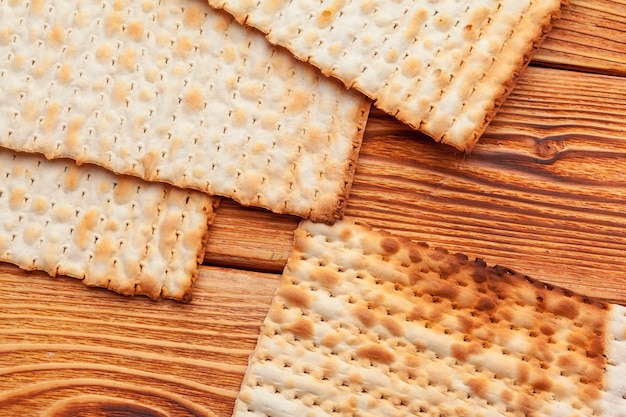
(115, 232)
(365, 323)
(441, 66)
(175, 91)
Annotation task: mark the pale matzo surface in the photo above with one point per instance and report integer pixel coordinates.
(365, 323)
(441, 66)
(115, 232)
(175, 91)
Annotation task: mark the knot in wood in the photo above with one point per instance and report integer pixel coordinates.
(548, 148)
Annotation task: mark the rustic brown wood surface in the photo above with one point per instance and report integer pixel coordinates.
(543, 193)
(70, 350)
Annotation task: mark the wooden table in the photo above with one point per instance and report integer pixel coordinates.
(543, 193)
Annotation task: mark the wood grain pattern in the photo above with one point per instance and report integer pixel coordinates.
(543, 193)
(66, 348)
(589, 37)
(249, 238)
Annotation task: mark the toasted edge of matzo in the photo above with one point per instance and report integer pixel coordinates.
(116, 232)
(614, 400)
(367, 323)
(442, 67)
(176, 91)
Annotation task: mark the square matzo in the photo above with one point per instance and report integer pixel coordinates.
(441, 66)
(115, 232)
(175, 91)
(365, 323)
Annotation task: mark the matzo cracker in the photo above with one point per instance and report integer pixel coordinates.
(175, 91)
(115, 232)
(441, 66)
(366, 323)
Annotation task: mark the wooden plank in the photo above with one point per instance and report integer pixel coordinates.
(66, 349)
(543, 192)
(589, 37)
(249, 238)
